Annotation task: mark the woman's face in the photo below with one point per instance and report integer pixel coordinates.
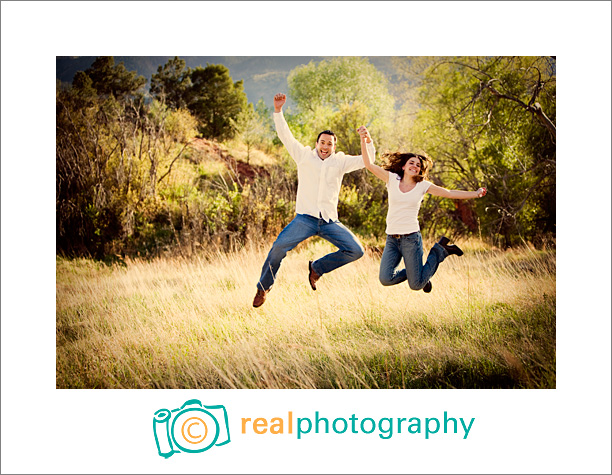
(412, 167)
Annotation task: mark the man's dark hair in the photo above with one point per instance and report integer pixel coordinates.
(328, 132)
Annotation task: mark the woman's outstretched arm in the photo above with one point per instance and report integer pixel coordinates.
(456, 194)
(367, 160)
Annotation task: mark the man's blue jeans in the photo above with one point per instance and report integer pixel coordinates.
(409, 247)
(301, 228)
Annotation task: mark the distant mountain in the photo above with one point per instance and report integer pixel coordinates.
(263, 76)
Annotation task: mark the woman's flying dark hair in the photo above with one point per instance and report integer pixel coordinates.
(395, 162)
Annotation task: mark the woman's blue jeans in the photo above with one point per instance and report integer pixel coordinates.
(301, 228)
(410, 248)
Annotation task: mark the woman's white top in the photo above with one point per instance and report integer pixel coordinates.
(402, 217)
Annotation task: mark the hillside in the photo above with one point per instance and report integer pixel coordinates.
(232, 158)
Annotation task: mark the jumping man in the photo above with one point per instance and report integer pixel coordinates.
(320, 173)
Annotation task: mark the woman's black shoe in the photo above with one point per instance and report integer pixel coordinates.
(427, 287)
(452, 249)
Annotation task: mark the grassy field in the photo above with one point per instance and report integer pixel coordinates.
(189, 323)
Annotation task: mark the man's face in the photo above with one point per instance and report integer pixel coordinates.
(326, 146)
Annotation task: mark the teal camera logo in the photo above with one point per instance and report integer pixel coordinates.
(192, 428)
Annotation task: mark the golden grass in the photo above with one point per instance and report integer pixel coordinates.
(189, 323)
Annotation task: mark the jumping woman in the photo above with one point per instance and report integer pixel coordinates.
(406, 177)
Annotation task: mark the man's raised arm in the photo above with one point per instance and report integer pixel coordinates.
(294, 148)
(279, 102)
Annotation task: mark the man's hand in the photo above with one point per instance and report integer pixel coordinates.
(279, 101)
(365, 135)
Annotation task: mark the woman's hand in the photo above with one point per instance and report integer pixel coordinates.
(364, 134)
(481, 192)
(367, 160)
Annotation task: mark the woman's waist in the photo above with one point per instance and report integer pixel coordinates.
(399, 236)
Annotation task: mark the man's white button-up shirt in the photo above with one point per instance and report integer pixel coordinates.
(319, 180)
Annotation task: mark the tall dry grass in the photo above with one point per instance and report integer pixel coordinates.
(189, 323)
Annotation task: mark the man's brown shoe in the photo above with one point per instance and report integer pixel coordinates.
(260, 297)
(312, 276)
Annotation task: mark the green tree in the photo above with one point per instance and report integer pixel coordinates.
(342, 80)
(345, 122)
(340, 90)
(249, 129)
(108, 78)
(171, 83)
(216, 100)
(83, 90)
(479, 121)
(268, 132)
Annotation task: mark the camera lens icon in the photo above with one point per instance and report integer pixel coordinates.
(192, 428)
(189, 437)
